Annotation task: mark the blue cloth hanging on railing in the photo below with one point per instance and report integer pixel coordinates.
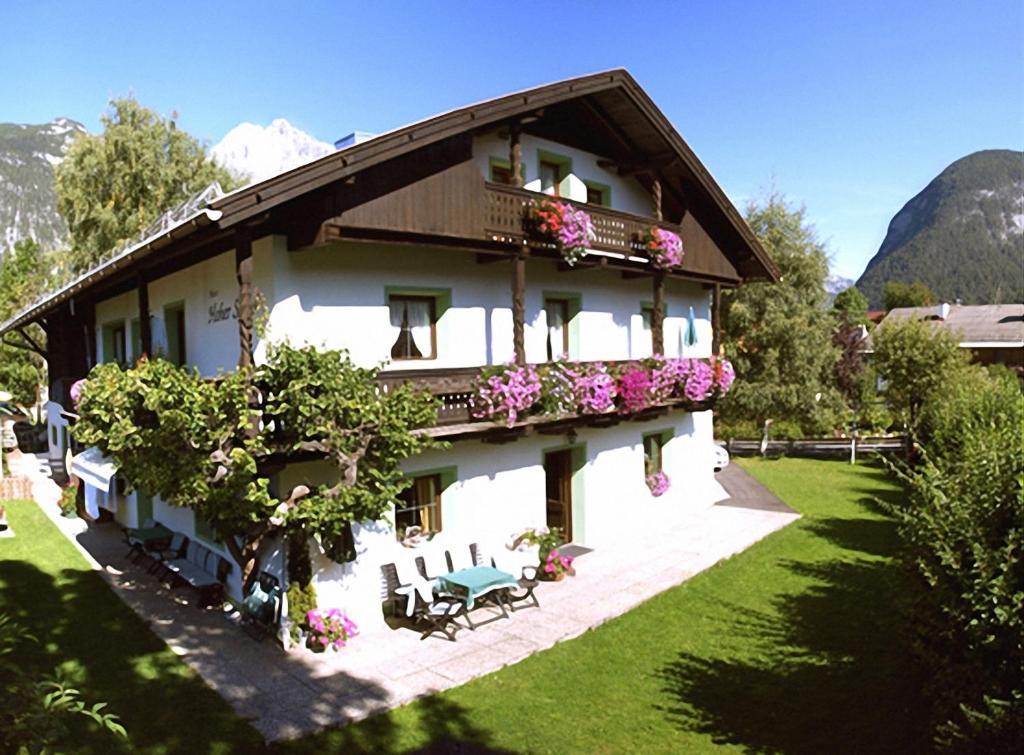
(691, 329)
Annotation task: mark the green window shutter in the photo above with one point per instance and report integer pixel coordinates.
(144, 507)
(174, 317)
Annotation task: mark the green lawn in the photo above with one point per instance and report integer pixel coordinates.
(107, 650)
(795, 645)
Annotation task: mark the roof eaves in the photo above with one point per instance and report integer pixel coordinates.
(33, 311)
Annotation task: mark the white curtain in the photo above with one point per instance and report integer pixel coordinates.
(556, 330)
(416, 314)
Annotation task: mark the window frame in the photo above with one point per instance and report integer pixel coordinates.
(656, 439)
(177, 311)
(571, 336)
(444, 478)
(503, 164)
(442, 298)
(563, 168)
(433, 326)
(606, 193)
(647, 324)
(115, 333)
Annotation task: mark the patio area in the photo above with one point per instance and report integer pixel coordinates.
(290, 694)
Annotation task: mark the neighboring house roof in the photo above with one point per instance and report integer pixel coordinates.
(602, 108)
(977, 326)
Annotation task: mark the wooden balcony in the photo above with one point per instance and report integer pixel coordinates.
(615, 231)
(453, 390)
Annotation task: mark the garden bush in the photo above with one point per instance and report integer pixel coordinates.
(964, 527)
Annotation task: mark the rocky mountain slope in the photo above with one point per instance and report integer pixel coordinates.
(963, 235)
(28, 201)
(261, 152)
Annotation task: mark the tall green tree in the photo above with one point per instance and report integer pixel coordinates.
(24, 276)
(779, 335)
(851, 304)
(914, 360)
(112, 185)
(916, 294)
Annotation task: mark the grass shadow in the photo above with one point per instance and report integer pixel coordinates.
(827, 669)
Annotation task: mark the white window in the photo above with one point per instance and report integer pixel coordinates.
(414, 320)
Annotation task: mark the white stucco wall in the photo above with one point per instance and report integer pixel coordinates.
(335, 296)
(208, 291)
(626, 192)
(500, 491)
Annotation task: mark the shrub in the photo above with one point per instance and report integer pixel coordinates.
(301, 593)
(68, 501)
(737, 429)
(785, 430)
(964, 525)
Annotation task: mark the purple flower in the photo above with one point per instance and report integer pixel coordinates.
(658, 483)
(509, 392)
(724, 374)
(75, 392)
(664, 247)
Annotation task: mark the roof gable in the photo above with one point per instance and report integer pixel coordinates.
(616, 110)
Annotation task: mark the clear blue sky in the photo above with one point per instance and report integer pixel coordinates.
(848, 108)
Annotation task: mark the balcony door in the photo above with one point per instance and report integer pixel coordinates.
(558, 482)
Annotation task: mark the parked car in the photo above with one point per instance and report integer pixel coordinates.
(720, 457)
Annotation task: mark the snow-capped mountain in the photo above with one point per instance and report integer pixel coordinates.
(28, 199)
(261, 152)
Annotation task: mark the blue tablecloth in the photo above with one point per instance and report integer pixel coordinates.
(475, 581)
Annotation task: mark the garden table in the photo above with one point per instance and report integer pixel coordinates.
(475, 581)
(148, 536)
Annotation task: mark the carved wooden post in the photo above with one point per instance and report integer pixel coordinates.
(515, 159)
(515, 155)
(519, 307)
(658, 314)
(243, 259)
(658, 310)
(145, 326)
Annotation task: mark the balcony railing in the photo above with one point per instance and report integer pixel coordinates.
(453, 388)
(615, 231)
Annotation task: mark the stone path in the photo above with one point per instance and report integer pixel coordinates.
(288, 694)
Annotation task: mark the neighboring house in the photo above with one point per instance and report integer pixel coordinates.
(993, 332)
(409, 247)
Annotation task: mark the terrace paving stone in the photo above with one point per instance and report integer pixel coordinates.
(287, 694)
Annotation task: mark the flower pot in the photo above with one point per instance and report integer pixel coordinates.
(313, 644)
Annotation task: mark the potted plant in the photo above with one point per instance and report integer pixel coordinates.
(658, 483)
(553, 565)
(664, 247)
(329, 629)
(568, 228)
(506, 391)
(68, 501)
(557, 565)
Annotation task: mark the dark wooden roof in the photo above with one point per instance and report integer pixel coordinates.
(606, 113)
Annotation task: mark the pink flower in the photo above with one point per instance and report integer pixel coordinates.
(658, 483)
(324, 641)
(664, 247)
(549, 568)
